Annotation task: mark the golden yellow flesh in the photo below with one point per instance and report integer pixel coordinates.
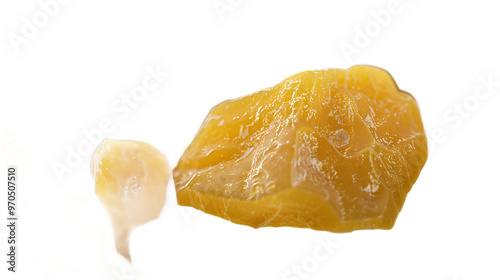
(130, 180)
(334, 150)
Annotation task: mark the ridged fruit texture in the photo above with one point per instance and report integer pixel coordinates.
(334, 150)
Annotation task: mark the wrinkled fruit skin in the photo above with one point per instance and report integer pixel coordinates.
(334, 150)
(130, 180)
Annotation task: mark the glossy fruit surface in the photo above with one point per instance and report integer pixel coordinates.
(334, 150)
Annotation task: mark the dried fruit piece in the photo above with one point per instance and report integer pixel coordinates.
(130, 180)
(334, 150)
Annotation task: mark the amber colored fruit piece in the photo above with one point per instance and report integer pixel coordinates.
(334, 150)
(130, 180)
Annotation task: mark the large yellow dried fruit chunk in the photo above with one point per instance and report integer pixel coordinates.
(130, 180)
(334, 150)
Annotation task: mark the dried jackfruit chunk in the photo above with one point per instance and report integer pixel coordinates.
(334, 150)
(130, 180)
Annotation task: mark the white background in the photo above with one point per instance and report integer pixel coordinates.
(63, 78)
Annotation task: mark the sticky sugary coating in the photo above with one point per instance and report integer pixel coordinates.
(334, 150)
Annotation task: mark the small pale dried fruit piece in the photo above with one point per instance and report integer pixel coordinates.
(334, 150)
(130, 180)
